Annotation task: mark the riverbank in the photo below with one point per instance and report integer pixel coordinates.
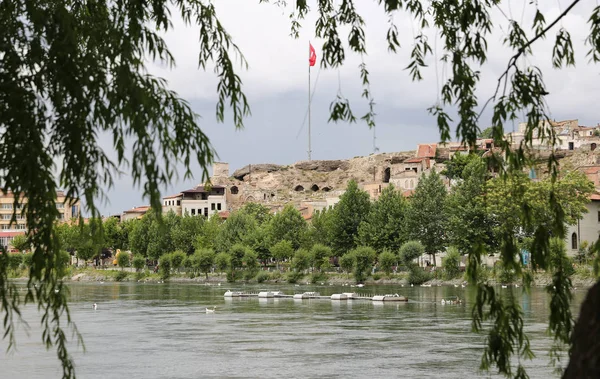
(273, 278)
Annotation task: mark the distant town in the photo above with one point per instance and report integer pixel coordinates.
(316, 185)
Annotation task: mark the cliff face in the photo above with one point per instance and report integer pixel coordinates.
(276, 185)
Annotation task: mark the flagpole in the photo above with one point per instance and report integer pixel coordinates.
(309, 147)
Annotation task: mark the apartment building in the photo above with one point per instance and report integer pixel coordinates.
(67, 211)
(199, 200)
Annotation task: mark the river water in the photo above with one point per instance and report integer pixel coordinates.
(162, 331)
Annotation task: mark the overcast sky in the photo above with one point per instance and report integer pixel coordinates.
(276, 84)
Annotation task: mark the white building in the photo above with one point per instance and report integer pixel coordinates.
(199, 200)
(586, 229)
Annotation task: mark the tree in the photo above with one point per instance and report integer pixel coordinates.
(470, 225)
(282, 250)
(21, 243)
(236, 256)
(138, 262)
(259, 212)
(166, 264)
(347, 261)
(204, 260)
(364, 258)
(138, 235)
(123, 259)
(455, 166)
(112, 234)
(69, 84)
(177, 258)
(348, 213)
(209, 232)
(302, 260)
(426, 218)
(410, 251)
(486, 133)
(250, 260)
(160, 238)
(387, 260)
(185, 233)
(383, 227)
(321, 226)
(235, 230)
(222, 261)
(288, 225)
(319, 254)
(451, 263)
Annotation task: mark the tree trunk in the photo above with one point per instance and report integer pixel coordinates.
(434, 263)
(585, 353)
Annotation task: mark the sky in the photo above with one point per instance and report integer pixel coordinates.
(276, 83)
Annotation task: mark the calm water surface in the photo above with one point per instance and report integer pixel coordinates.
(162, 331)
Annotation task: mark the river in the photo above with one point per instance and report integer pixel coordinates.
(162, 331)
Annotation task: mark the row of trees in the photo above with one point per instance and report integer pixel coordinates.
(476, 213)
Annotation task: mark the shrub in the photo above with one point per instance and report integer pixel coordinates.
(301, 260)
(347, 262)
(139, 262)
(294, 276)
(387, 259)
(364, 257)
(14, 261)
(418, 276)
(318, 277)
(27, 258)
(319, 254)
(262, 277)
(410, 251)
(123, 259)
(376, 276)
(451, 264)
(165, 265)
(120, 276)
(177, 258)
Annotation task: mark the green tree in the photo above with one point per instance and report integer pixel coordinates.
(288, 225)
(348, 213)
(347, 261)
(302, 260)
(250, 261)
(383, 227)
(204, 260)
(139, 233)
(319, 254)
(236, 230)
(470, 225)
(139, 262)
(387, 260)
(21, 243)
(185, 233)
(426, 217)
(451, 263)
(177, 258)
(455, 166)
(259, 212)
(209, 232)
(410, 251)
(282, 250)
(222, 262)
(160, 238)
(321, 226)
(113, 234)
(165, 263)
(486, 133)
(236, 256)
(364, 258)
(123, 259)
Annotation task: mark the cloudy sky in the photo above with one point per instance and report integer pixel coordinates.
(276, 84)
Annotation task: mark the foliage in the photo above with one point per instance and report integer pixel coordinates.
(486, 133)
(364, 258)
(302, 260)
(236, 256)
(387, 260)
(319, 254)
(294, 276)
(417, 275)
(451, 263)
(186, 232)
(204, 259)
(349, 212)
(208, 235)
(347, 262)
(238, 227)
(123, 259)
(426, 217)
(222, 262)
(383, 227)
(262, 276)
(259, 212)
(120, 276)
(21, 243)
(165, 266)
(288, 225)
(410, 251)
(321, 227)
(250, 261)
(160, 238)
(177, 258)
(14, 261)
(455, 167)
(138, 262)
(282, 250)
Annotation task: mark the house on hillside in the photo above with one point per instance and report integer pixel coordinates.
(200, 200)
(586, 229)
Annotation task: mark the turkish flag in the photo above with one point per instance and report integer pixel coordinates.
(312, 56)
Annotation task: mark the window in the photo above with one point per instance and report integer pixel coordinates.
(178, 202)
(212, 206)
(193, 212)
(219, 206)
(574, 241)
(5, 227)
(598, 216)
(21, 226)
(60, 205)
(206, 212)
(6, 217)
(7, 206)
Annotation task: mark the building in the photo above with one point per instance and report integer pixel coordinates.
(586, 229)
(200, 200)
(134, 213)
(67, 210)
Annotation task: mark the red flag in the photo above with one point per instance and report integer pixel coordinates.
(312, 56)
